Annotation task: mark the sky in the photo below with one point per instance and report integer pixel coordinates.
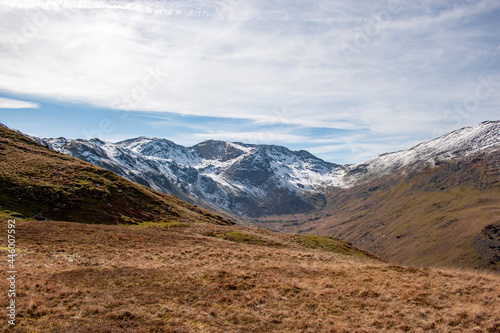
(345, 80)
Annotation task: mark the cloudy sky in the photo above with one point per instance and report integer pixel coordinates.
(346, 80)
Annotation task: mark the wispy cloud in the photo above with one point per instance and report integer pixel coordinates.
(359, 147)
(261, 137)
(7, 103)
(410, 62)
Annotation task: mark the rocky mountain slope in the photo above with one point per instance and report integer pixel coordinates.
(41, 183)
(437, 203)
(243, 179)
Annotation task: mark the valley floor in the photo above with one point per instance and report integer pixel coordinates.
(206, 278)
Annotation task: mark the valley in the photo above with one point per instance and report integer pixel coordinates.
(431, 204)
(227, 166)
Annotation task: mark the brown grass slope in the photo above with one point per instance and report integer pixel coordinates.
(447, 216)
(36, 181)
(199, 277)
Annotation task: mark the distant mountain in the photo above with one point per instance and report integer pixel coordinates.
(38, 182)
(243, 179)
(458, 144)
(260, 180)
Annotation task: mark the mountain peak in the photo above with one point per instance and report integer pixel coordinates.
(220, 150)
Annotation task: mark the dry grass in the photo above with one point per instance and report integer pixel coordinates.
(434, 217)
(112, 278)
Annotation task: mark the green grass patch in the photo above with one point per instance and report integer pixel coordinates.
(6, 214)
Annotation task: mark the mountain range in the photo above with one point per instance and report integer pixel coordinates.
(259, 180)
(242, 179)
(450, 184)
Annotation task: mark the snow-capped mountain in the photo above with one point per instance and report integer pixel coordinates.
(244, 179)
(455, 145)
(255, 180)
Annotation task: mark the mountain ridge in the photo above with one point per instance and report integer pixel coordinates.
(250, 180)
(456, 144)
(233, 176)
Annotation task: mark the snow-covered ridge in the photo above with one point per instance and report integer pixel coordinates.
(214, 158)
(234, 176)
(244, 178)
(457, 144)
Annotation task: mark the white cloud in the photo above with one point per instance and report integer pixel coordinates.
(241, 59)
(7, 103)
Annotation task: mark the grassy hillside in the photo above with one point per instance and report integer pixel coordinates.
(447, 216)
(38, 182)
(199, 277)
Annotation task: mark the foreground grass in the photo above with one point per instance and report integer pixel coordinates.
(208, 278)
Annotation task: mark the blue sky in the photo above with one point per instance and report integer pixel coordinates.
(346, 80)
